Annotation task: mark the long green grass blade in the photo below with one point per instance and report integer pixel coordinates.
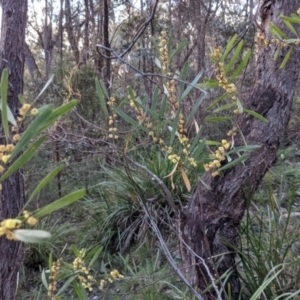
(218, 100)
(60, 203)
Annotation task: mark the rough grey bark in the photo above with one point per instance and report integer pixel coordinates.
(14, 14)
(210, 223)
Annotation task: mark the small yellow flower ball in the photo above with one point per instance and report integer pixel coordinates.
(16, 137)
(32, 221)
(5, 158)
(34, 111)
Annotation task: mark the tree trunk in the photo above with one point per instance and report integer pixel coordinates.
(107, 75)
(210, 223)
(70, 32)
(14, 14)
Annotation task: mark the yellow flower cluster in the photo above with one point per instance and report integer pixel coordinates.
(156, 139)
(112, 119)
(171, 87)
(232, 132)
(52, 287)
(261, 40)
(163, 51)
(215, 55)
(115, 274)
(24, 110)
(223, 81)
(9, 225)
(174, 158)
(30, 220)
(219, 156)
(86, 279)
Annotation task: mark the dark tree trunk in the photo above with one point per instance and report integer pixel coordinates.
(211, 221)
(106, 41)
(14, 14)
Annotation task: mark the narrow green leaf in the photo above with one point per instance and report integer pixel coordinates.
(256, 115)
(224, 107)
(239, 105)
(194, 110)
(57, 113)
(44, 182)
(44, 279)
(179, 48)
(163, 108)
(184, 72)
(235, 56)
(196, 140)
(294, 19)
(277, 32)
(4, 87)
(208, 84)
(23, 159)
(131, 92)
(291, 27)
(212, 143)
(191, 86)
(218, 119)
(199, 149)
(174, 127)
(126, 117)
(103, 88)
(241, 66)
(80, 291)
(44, 88)
(60, 203)
(154, 99)
(222, 97)
(101, 97)
(277, 53)
(50, 260)
(157, 62)
(244, 148)
(75, 250)
(32, 130)
(286, 58)
(32, 235)
(229, 47)
(234, 162)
